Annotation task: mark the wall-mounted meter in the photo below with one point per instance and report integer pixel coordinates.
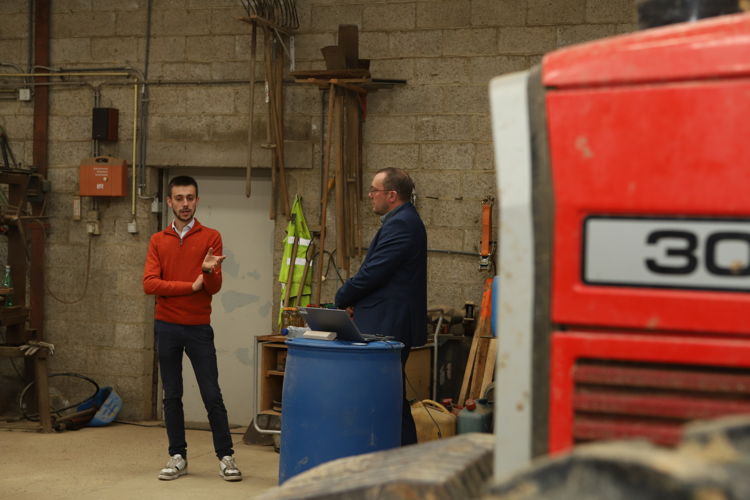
(103, 176)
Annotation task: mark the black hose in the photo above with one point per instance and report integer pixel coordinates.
(35, 418)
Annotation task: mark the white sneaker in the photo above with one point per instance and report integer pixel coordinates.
(176, 467)
(228, 469)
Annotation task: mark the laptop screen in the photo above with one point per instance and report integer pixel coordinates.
(332, 320)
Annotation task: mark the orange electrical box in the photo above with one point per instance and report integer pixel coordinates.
(103, 176)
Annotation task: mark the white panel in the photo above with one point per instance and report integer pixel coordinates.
(510, 130)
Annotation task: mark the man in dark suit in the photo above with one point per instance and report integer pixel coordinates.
(389, 292)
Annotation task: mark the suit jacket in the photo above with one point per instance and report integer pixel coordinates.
(389, 292)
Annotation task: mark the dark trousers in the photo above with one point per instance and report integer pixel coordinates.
(408, 428)
(198, 342)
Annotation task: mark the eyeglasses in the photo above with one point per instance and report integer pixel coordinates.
(373, 190)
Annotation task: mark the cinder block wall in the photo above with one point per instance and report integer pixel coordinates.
(437, 126)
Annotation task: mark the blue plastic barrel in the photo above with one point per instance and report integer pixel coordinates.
(339, 399)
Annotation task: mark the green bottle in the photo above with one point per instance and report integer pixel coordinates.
(8, 283)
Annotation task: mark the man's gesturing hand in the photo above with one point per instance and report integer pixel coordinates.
(211, 261)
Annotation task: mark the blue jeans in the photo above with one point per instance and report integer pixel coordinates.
(198, 342)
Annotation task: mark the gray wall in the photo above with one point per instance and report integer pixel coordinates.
(436, 126)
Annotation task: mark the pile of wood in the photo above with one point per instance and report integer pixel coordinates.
(480, 366)
(341, 179)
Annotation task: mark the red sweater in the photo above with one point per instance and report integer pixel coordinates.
(171, 268)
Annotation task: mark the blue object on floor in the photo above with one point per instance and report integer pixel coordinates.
(109, 404)
(340, 399)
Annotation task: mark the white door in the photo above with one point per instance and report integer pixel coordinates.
(242, 309)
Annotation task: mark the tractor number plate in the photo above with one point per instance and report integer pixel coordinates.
(703, 254)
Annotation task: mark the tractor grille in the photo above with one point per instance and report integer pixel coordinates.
(617, 400)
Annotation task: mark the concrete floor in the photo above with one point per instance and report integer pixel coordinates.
(122, 461)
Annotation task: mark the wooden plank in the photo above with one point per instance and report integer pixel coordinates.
(469, 367)
(489, 367)
(328, 74)
(324, 195)
(251, 117)
(477, 374)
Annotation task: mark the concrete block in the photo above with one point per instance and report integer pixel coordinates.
(409, 99)
(136, 395)
(483, 69)
(481, 127)
(389, 17)
(14, 51)
(210, 48)
(569, 35)
(166, 153)
(444, 128)
(71, 6)
(440, 70)
(13, 6)
(227, 128)
(523, 40)
(178, 21)
(225, 17)
(626, 28)
(170, 4)
(479, 185)
(385, 128)
(373, 45)
(404, 156)
(426, 43)
(448, 268)
(210, 154)
(230, 71)
(71, 50)
(167, 48)
(465, 99)
(108, 362)
(130, 22)
(444, 14)
(300, 99)
(183, 71)
(64, 180)
(83, 24)
(498, 12)
(446, 155)
(298, 154)
(183, 128)
(470, 42)
(484, 156)
(115, 50)
(396, 69)
(438, 184)
(555, 12)
(328, 18)
(125, 5)
(212, 100)
(166, 100)
(14, 25)
(448, 213)
(297, 127)
(611, 11)
(69, 128)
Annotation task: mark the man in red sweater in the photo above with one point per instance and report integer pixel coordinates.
(183, 271)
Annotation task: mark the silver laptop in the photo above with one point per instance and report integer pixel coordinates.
(337, 320)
